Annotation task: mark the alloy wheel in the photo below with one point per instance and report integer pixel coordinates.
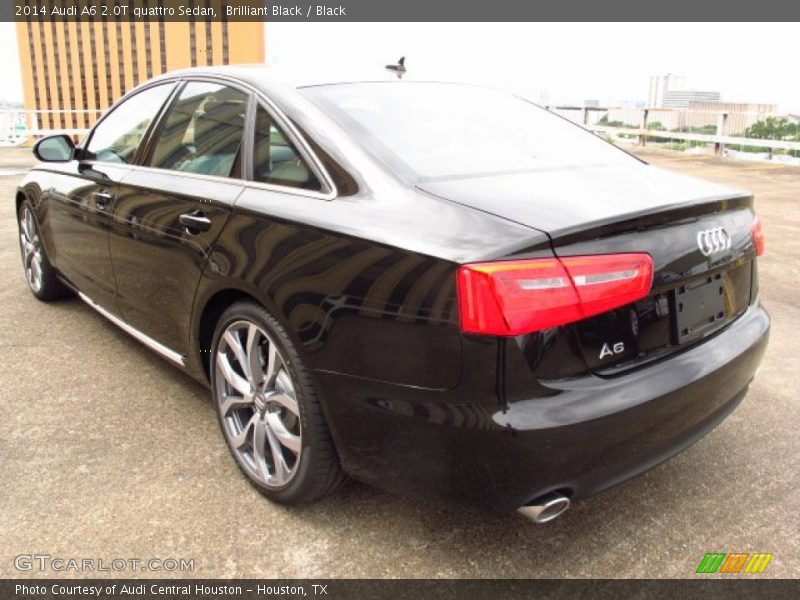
(257, 401)
(31, 249)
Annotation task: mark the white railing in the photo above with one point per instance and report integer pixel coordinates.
(18, 126)
(590, 117)
(717, 140)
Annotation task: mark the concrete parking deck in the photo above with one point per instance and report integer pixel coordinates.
(106, 451)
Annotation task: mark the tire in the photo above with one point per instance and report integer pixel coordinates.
(42, 278)
(268, 410)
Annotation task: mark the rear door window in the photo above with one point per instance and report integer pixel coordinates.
(203, 131)
(276, 159)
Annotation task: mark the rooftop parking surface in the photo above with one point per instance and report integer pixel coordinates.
(107, 451)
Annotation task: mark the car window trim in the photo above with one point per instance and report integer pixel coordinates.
(145, 138)
(248, 143)
(329, 191)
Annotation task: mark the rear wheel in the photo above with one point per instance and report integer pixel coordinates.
(40, 275)
(268, 409)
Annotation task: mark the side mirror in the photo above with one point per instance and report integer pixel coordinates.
(55, 148)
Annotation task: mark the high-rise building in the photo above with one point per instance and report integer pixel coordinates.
(660, 85)
(88, 65)
(670, 91)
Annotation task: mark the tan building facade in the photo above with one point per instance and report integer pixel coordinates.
(738, 116)
(87, 66)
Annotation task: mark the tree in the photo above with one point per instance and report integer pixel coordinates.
(772, 128)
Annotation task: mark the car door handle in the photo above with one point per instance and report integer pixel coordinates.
(195, 222)
(102, 198)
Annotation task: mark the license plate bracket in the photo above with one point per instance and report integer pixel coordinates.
(699, 307)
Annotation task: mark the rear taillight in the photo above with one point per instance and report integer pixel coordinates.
(521, 296)
(758, 235)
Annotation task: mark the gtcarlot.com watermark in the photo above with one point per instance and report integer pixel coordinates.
(61, 564)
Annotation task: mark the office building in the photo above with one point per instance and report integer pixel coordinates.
(685, 98)
(88, 65)
(660, 84)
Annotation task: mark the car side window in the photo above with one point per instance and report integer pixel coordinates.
(203, 131)
(275, 158)
(117, 137)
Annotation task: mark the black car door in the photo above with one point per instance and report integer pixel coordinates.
(81, 195)
(170, 209)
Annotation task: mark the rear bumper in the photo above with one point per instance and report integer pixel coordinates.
(578, 435)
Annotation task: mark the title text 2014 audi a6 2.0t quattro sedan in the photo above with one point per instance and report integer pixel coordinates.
(434, 288)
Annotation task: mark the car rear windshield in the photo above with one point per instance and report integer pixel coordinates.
(440, 131)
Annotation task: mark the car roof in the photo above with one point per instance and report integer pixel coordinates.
(266, 76)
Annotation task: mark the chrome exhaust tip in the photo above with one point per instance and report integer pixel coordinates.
(545, 508)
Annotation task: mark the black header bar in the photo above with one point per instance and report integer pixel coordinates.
(395, 589)
(402, 10)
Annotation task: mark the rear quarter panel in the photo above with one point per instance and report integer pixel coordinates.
(365, 285)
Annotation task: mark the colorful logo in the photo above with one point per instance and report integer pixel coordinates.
(719, 562)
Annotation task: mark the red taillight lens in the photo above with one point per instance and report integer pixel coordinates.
(609, 281)
(521, 296)
(758, 235)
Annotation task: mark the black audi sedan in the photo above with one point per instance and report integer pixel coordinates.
(434, 288)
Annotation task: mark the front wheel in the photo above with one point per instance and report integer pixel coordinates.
(268, 409)
(40, 275)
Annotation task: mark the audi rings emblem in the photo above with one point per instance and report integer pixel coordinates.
(711, 241)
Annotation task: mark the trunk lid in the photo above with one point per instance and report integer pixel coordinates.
(697, 232)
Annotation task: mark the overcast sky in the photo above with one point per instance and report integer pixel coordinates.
(572, 62)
